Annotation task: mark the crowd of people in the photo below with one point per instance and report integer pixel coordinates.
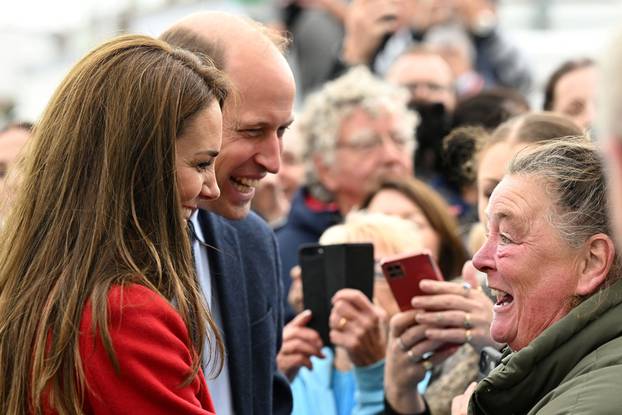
(151, 221)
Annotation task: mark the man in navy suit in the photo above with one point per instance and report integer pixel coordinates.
(236, 253)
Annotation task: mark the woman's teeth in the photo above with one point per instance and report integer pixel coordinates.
(243, 184)
(501, 296)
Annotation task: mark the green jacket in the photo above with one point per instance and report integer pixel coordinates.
(573, 367)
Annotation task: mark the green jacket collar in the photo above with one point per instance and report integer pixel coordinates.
(524, 377)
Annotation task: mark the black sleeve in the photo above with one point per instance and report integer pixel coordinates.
(388, 409)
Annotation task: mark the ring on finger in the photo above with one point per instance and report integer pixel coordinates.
(413, 357)
(467, 288)
(467, 321)
(468, 336)
(401, 343)
(342, 322)
(427, 365)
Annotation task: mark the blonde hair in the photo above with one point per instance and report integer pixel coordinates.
(393, 234)
(98, 206)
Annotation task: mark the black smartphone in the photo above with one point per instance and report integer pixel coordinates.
(489, 359)
(327, 269)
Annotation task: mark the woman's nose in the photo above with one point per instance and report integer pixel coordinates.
(210, 190)
(484, 259)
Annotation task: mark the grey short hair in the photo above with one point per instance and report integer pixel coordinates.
(325, 110)
(573, 171)
(572, 168)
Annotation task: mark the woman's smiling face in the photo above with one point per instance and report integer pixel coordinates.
(532, 271)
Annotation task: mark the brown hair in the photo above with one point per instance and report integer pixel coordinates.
(534, 127)
(464, 145)
(98, 206)
(563, 70)
(452, 253)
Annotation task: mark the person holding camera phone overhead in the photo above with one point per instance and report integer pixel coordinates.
(100, 310)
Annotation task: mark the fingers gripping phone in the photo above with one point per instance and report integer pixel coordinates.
(327, 269)
(404, 272)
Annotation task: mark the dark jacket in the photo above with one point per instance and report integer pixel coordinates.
(573, 367)
(246, 268)
(304, 224)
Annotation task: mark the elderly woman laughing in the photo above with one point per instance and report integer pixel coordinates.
(552, 265)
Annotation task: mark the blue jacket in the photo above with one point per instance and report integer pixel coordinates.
(313, 392)
(246, 268)
(303, 225)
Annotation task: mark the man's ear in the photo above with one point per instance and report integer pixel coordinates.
(324, 173)
(598, 258)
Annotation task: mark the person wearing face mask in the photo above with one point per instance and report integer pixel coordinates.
(101, 312)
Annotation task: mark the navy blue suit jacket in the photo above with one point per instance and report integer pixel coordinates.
(245, 267)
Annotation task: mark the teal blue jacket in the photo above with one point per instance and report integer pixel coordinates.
(313, 393)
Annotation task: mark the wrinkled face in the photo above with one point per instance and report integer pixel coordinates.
(255, 118)
(533, 273)
(11, 143)
(428, 78)
(392, 202)
(368, 148)
(490, 171)
(196, 149)
(575, 96)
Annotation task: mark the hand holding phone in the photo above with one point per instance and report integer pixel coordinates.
(327, 269)
(404, 272)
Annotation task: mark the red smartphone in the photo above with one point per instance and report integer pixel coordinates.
(404, 272)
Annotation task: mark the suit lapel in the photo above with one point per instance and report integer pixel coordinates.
(230, 285)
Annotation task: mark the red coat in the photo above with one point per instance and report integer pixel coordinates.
(149, 338)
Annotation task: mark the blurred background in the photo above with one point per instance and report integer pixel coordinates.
(41, 39)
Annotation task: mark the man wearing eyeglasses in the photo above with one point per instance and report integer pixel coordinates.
(357, 129)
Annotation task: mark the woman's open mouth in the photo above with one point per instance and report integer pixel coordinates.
(503, 299)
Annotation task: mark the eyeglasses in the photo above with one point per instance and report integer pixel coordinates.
(430, 86)
(368, 142)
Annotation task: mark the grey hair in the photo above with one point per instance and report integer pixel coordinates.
(573, 171)
(325, 110)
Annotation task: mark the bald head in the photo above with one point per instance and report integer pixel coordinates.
(222, 36)
(255, 119)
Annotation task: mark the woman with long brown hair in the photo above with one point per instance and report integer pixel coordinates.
(100, 311)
